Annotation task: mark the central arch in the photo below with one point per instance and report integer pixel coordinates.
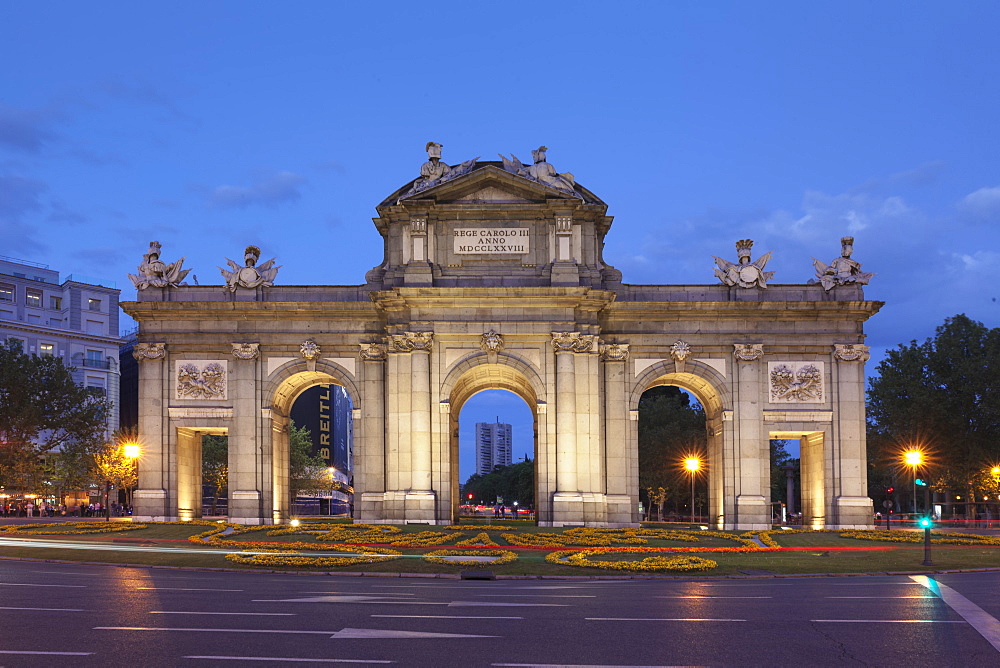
(474, 374)
(709, 387)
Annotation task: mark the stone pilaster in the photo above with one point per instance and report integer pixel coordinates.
(621, 507)
(849, 505)
(369, 460)
(250, 501)
(155, 498)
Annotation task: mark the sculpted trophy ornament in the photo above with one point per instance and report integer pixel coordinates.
(154, 273)
(745, 274)
(250, 276)
(434, 172)
(541, 171)
(842, 271)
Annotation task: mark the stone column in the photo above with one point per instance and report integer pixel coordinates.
(567, 501)
(750, 467)
(249, 481)
(369, 463)
(155, 498)
(622, 508)
(848, 501)
(410, 410)
(420, 414)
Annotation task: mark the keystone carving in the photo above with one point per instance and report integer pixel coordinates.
(310, 350)
(680, 350)
(851, 352)
(748, 352)
(491, 342)
(373, 352)
(614, 352)
(246, 351)
(149, 351)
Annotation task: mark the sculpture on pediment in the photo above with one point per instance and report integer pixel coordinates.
(541, 171)
(155, 273)
(745, 274)
(434, 172)
(843, 270)
(250, 276)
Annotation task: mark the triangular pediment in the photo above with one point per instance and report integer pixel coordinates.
(489, 183)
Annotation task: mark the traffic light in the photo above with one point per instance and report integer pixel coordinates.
(925, 523)
(922, 483)
(889, 491)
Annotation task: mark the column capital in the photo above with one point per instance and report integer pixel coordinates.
(748, 352)
(373, 352)
(144, 352)
(246, 351)
(614, 352)
(409, 342)
(851, 352)
(575, 342)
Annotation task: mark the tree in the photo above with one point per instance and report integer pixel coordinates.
(306, 473)
(511, 483)
(41, 410)
(671, 428)
(941, 395)
(215, 465)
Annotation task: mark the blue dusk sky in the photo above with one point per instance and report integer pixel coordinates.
(212, 125)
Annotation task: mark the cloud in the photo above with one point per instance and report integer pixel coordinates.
(267, 191)
(25, 130)
(983, 204)
(19, 196)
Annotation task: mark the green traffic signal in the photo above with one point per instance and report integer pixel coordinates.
(921, 482)
(925, 523)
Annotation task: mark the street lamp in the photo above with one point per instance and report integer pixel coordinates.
(333, 480)
(913, 459)
(132, 452)
(692, 465)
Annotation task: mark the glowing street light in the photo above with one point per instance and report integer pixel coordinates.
(914, 459)
(132, 451)
(692, 465)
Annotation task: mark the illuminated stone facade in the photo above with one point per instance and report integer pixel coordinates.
(493, 278)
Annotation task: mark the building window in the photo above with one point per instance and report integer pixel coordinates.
(94, 304)
(19, 342)
(95, 327)
(33, 298)
(7, 293)
(55, 322)
(55, 303)
(46, 349)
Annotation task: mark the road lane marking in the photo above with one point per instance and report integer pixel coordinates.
(186, 589)
(544, 595)
(574, 665)
(705, 596)
(249, 614)
(440, 617)
(344, 598)
(14, 651)
(347, 593)
(660, 619)
(892, 597)
(889, 621)
(29, 584)
(500, 604)
(285, 659)
(479, 587)
(203, 630)
(985, 623)
(46, 609)
(389, 633)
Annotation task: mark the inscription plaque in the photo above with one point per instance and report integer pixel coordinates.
(491, 240)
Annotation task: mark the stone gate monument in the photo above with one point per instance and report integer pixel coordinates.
(493, 278)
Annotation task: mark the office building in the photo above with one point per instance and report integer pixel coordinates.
(493, 446)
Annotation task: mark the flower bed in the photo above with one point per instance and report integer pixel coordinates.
(72, 527)
(365, 556)
(582, 558)
(482, 538)
(439, 557)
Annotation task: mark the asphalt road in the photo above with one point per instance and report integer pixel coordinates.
(90, 615)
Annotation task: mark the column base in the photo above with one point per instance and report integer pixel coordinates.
(852, 512)
(752, 514)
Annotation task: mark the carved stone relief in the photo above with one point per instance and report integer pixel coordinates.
(246, 351)
(573, 342)
(795, 382)
(680, 350)
(748, 352)
(851, 352)
(155, 273)
(373, 352)
(201, 379)
(614, 352)
(310, 350)
(409, 341)
(149, 351)
(492, 342)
